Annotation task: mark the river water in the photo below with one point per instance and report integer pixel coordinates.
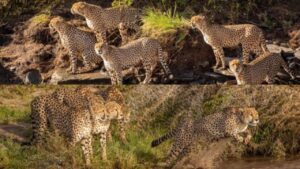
(261, 163)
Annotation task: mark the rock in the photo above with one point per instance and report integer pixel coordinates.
(277, 49)
(33, 77)
(61, 76)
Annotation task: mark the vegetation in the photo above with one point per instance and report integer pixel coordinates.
(157, 23)
(154, 109)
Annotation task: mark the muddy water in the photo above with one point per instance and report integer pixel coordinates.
(261, 163)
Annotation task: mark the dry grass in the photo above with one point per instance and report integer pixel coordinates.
(154, 110)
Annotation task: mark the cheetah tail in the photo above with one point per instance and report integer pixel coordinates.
(164, 63)
(163, 138)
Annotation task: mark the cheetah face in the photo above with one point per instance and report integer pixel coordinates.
(114, 110)
(127, 117)
(250, 116)
(101, 48)
(56, 22)
(79, 8)
(198, 21)
(236, 66)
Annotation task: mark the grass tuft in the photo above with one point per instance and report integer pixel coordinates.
(157, 23)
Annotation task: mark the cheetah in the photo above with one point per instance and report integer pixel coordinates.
(229, 123)
(84, 97)
(102, 20)
(263, 68)
(76, 124)
(145, 51)
(223, 36)
(79, 43)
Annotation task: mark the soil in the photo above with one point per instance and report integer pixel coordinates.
(29, 46)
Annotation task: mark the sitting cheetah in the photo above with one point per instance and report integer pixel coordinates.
(223, 36)
(145, 51)
(229, 123)
(78, 43)
(102, 20)
(263, 68)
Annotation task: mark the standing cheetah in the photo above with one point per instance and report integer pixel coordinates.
(263, 68)
(76, 123)
(223, 36)
(145, 51)
(229, 123)
(102, 20)
(78, 43)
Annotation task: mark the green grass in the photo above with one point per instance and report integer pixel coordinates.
(42, 18)
(10, 115)
(136, 154)
(157, 22)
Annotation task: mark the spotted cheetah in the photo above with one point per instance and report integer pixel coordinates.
(229, 123)
(223, 36)
(78, 43)
(84, 97)
(263, 68)
(145, 51)
(102, 20)
(77, 124)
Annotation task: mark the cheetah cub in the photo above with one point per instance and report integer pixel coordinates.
(224, 36)
(263, 68)
(145, 51)
(229, 123)
(78, 43)
(102, 20)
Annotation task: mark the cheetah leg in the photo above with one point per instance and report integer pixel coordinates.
(85, 146)
(103, 145)
(119, 77)
(270, 79)
(112, 77)
(238, 138)
(73, 60)
(248, 137)
(175, 152)
(287, 69)
(122, 130)
(246, 53)
(148, 69)
(258, 51)
(88, 65)
(219, 54)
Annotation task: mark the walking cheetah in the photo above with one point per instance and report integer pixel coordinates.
(263, 68)
(145, 51)
(78, 43)
(223, 36)
(229, 123)
(102, 20)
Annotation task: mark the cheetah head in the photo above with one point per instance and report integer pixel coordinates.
(56, 23)
(102, 48)
(236, 66)
(198, 21)
(249, 116)
(97, 107)
(114, 110)
(82, 8)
